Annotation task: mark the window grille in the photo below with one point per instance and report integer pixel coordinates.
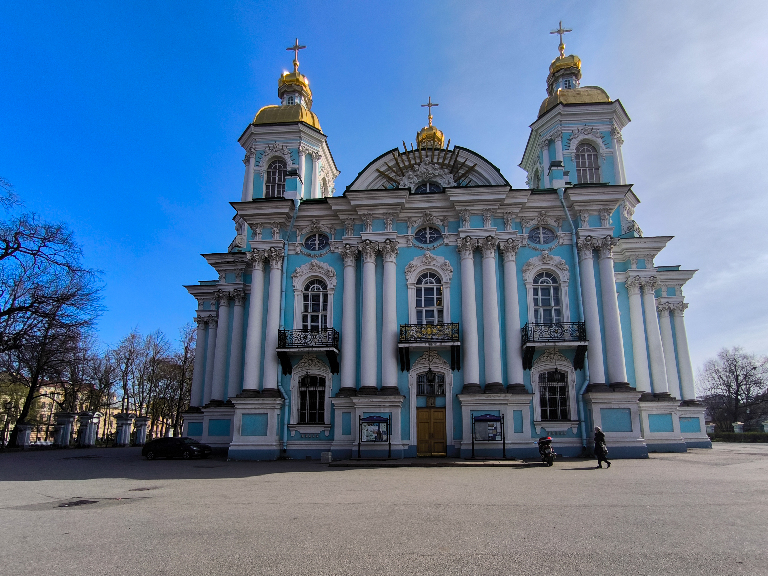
(275, 185)
(314, 315)
(587, 164)
(553, 395)
(428, 188)
(428, 235)
(429, 299)
(546, 299)
(426, 388)
(312, 399)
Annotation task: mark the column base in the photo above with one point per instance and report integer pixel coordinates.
(471, 389)
(270, 393)
(691, 403)
(656, 397)
(367, 391)
(494, 388)
(389, 391)
(597, 387)
(193, 410)
(346, 392)
(249, 393)
(517, 389)
(620, 386)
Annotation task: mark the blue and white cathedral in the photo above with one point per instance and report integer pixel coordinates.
(432, 309)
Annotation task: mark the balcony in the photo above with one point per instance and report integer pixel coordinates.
(421, 336)
(561, 334)
(302, 341)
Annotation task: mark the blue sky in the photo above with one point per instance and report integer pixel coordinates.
(122, 119)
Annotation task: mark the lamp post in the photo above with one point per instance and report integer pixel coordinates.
(8, 407)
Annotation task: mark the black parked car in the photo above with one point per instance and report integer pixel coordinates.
(170, 447)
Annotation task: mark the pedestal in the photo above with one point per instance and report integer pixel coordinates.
(256, 430)
(738, 427)
(692, 427)
(660, 422)
(123, 429)
(617, 412)
(516, 409)
(141, 431)
(62, 431)
(24, 435)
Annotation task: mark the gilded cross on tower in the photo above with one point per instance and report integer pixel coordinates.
(561, 31)
(296, 47)
(429, 105)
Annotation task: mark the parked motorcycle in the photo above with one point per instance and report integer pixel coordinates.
(546, 451)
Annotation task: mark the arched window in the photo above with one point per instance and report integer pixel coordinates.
(314, 316)
(553, 395)
(546, 299)
(429, 299)
(275, 184)
(312, 399)
(587, 164)
(428, 188)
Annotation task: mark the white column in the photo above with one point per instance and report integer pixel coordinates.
(389, 328)
(558, 137)
(302, 164)
(315, 175)
(618, 160)
(236, 353)
(469, 340)
(491, 329)
(253, 333)
(614, 343)
(198, 376)
(368, 344)
(269, 384)
(655, 350)
(683, 355)
(210, 353)
(349, 319)
(545, 175)
(639, 350)
(512, 313)
(220, 360)
(591, 317)
(668, 345)
(250, 164)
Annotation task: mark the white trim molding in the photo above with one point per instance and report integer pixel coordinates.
(304, 274)
(310, 364)
(552, 359)
(428, 263)
(431, 359)
(546, 262)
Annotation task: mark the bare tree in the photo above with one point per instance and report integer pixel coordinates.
(734, 387)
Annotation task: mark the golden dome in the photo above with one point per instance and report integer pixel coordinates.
(286, 115)
(585, 95)
(561, 63)
(294, 82)
(429, 137)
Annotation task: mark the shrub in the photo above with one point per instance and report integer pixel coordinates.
(739, 437)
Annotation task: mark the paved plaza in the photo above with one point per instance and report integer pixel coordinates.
(108, 511)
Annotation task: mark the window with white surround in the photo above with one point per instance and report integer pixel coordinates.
(546, 299)
(275, 179)
(428, 188)
(427, 235)
(314, 315)
(312, 399)
(587, 164)
(554, 392)
(429, 299)
(430, 383)
(541, 236)
(553, 395)
(316, 242)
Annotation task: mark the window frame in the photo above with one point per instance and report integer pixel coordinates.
(592, 172)
(428, 263)
(427, 229)
(555, 266)
(301, 277)
(539, 308)
(428, 191)
(313, 366)
(267, 174)
(549, 361)
(438, 295)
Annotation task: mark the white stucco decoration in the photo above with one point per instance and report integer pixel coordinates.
(426, 171)
(589, 134)
(271, 152)
(552, 359)
(310, 364)
(431, 359)
(546, 262)
(428, 263)
(304, 274)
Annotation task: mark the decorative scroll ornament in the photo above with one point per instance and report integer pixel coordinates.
(464, 215)
(369, 250)
(606, 246)
(605, 217)
(388, 250)
(429, 260)
(426, 171)
(663, 308)
(487, 216)
(430, 359)
(584, 219)
(546, 260)
(508, 220)
(310, 364)
(633, 284)
(586, 133)
(273, 151)
(310, 269)
(510, 247)
(256, 258)
(349, 227)
(389, 219)
(616, 135)
(488, 246)
(275, 257)
(368, 221)
(238, 296)
(650, 283)
(466, 247)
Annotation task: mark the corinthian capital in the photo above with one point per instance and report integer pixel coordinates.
(633, 284)
(275, 257)
(466, 247)
(606, 246)
(256, 259)
(369, 250)
(679, 308)
(488, 246)
(222, 297)
(663, 308)
(510, 247)
(586, 246)
(238, 296)
(388, 250)
(649, 284)
(349, 253)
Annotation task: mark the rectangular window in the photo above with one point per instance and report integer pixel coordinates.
(312, 400)
(553, 395)
(436, 388)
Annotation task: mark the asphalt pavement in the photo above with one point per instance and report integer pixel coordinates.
(108, 511)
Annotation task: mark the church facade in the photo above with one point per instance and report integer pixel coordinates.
(433, 309)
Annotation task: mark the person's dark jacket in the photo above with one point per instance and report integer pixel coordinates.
(600, 448)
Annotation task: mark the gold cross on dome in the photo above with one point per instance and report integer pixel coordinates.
(429, 105)
(296, 47)
(561, 31)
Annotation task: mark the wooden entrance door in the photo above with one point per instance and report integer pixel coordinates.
(430, 432)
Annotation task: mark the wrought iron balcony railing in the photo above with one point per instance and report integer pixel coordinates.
(557, 332)
(328, 338)
(421, 333)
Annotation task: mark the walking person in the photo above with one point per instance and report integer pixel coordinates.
(601, 451)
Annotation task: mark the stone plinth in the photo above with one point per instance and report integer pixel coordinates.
(124, 425)
(88, 430)
(738, 427)
(141, 430)
(62, 431)
(24, 434)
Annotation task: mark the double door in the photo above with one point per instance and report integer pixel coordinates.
(430, 432)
